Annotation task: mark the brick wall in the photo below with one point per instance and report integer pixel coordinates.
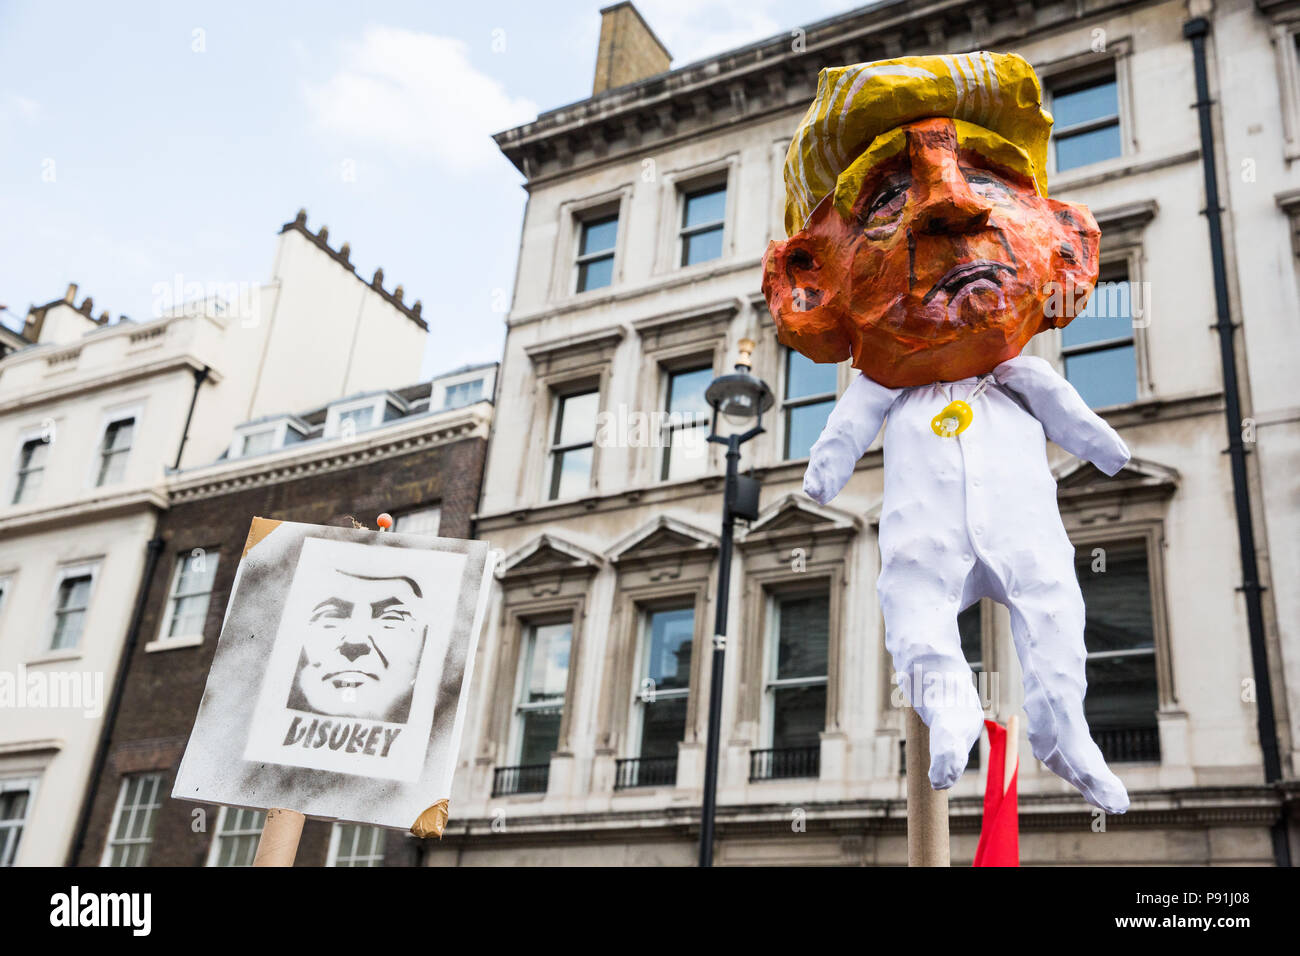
(163, 688)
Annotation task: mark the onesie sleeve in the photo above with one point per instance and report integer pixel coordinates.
(851, 427)
(1065, 416)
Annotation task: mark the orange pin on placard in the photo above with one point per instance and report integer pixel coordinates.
(385, 522)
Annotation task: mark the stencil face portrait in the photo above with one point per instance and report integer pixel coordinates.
(931, 261)
(361, 645)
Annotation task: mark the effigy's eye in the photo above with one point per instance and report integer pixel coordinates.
(987, 185)
(887, 203)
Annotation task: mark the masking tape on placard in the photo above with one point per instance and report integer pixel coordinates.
(258, 530)
(432, 821)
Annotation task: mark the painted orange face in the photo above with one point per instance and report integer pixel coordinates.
(947, 266)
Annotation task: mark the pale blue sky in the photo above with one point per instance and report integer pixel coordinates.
(176, 152)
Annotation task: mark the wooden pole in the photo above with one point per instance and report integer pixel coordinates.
(927, 809)
(1012, 752)
(278, 844)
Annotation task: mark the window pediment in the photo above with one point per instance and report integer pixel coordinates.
(545, 564)
(575, 352)
(798, 522)
(1079, 478)
(663, 542)
(1087, 496)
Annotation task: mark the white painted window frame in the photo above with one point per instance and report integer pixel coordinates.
(163, 642)
(579, 258)
(786, 403)
(1284, 33)
(401, 516)
(637, 717)
(680, 366)
(31, 433)
(110, 843)
(30, 783)
(65, 571)
(554, 449)
(771, 649)
(379, 403)
(118, 413)
(517, 706)
(336, 836)
(438, 394)
(214, 846)
(281, 427)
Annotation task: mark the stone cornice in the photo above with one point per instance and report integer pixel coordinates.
(1137, 414)
(299, 461)
(83, 511)
(109, 379)
(624, 295)
(1278, 9)
(31, 748)
(1197, 806)
(770, 76)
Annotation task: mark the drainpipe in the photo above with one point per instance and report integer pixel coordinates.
(1196, 31)
(200, 376)
(152, 551)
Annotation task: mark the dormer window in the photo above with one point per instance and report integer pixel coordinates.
(266, 435)
(465, 387)
(347, 419)
(359, 418)
(463, 393)
(259, 443)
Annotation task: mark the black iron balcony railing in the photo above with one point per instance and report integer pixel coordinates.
(782, 763)
(972, 763)
(1129, 744)
(530, 778)
(645, 772)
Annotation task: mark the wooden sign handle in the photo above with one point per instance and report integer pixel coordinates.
(1012, 751)
(278, 845)
(927, 809)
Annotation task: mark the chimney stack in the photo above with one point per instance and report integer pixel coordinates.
(71, 294)
(628, 51)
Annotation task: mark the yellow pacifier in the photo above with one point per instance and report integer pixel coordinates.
(957, 415)
(953, 420)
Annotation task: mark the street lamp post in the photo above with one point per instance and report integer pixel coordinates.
(738, 397)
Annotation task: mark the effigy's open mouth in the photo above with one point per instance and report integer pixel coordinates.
(967, 274)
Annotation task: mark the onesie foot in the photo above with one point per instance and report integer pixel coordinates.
(1097, 784)
(949, 752)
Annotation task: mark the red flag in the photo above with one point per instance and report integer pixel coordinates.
(1000, 834)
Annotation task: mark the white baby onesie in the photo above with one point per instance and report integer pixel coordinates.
(976, 516)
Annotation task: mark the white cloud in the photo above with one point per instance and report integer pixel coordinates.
(24, 106)
(419, 93)
(694, 29)
(15, 106)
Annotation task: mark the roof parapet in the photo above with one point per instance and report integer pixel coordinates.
(343, 256)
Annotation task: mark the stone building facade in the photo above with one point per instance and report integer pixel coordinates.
(649, 208)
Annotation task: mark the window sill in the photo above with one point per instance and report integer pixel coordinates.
(1128, 164)
(50, 657)
(700, 268)
(173, 643)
